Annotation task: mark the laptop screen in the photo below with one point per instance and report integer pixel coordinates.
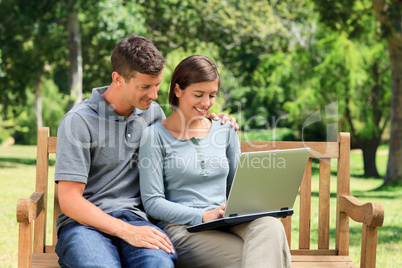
(267, 181)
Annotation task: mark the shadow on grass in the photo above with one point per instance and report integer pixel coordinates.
(386, 234)
(365, 195)
(24, 161)
(316, 194)
(352, 174)
(362, 176)
(360, 195)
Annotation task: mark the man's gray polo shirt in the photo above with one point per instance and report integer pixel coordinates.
(98, 147)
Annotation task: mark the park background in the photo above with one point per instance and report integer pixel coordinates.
(290, 70)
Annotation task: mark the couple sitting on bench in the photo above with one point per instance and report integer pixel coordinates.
(119, 142)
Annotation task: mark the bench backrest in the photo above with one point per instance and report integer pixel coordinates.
(322, 151)
(46, 145)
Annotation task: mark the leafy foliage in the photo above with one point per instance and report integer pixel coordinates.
(104, 23)
(280, 61)
(28, 33)
(54, 103)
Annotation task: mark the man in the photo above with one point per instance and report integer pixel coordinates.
(102, 222)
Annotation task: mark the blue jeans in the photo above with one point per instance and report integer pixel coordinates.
(83, 246)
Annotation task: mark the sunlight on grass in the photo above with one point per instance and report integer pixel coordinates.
(366, 190)
(17, 173)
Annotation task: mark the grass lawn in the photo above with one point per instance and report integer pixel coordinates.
(17, 176)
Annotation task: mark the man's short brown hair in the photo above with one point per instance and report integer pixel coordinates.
(136, 54)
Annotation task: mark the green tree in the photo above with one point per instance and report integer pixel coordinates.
(30, 39)
(241, 32)
(28, 32)
(389, 14)
(75, 54)
(34, 46)
(103, 24)
(356, 18)
(355, 75)
(323, 67)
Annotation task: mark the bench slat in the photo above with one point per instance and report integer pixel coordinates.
(305, 208)
(321, 261)
(42, 168)
(323, 264)
(45, 260)
(50, 260)
(318, 149)
(343, 188)
(314, 252)
(323, 207)
(287, 224)
(56, 212)
(52, 145)
(318, 258)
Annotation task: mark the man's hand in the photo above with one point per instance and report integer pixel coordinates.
(146, 237)
(225, 117)
(214, 214)
(74, 205)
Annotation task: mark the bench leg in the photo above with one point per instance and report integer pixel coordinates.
(25, 245)
(369, 246)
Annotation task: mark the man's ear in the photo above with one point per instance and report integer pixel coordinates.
(117, 78)
(177, 90)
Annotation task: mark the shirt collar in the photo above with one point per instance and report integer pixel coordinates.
(98, 103)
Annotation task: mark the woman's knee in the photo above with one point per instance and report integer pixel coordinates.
(264, 222)
(268, 227)
(207, 248)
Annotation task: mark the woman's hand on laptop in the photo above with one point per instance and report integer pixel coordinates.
(214, 214)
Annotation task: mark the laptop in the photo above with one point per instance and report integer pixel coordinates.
(265, 184)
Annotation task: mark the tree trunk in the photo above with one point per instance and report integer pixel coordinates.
(75, 56)
(38, 104)
(369, 149)
(394, 167)
(368, 146)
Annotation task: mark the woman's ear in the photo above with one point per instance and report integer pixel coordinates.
(177, 90)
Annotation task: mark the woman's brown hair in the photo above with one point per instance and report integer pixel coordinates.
(191, 70)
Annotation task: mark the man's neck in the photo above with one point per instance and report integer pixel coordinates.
(112, 97)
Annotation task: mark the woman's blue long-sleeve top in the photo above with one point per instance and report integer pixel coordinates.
(181, 179)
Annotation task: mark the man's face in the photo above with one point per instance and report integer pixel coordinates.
(141, 90)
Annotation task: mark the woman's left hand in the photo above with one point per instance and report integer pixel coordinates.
(225, 117)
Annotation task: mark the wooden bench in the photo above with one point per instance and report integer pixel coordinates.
(31, 213)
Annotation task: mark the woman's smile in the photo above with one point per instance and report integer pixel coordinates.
(201, 110)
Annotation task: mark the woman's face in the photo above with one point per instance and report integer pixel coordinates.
(196, 99)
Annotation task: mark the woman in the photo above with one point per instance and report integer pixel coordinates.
(187, 164)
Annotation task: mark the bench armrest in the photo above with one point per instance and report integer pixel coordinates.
(29, 209)
(372, 214)
(372, 217)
